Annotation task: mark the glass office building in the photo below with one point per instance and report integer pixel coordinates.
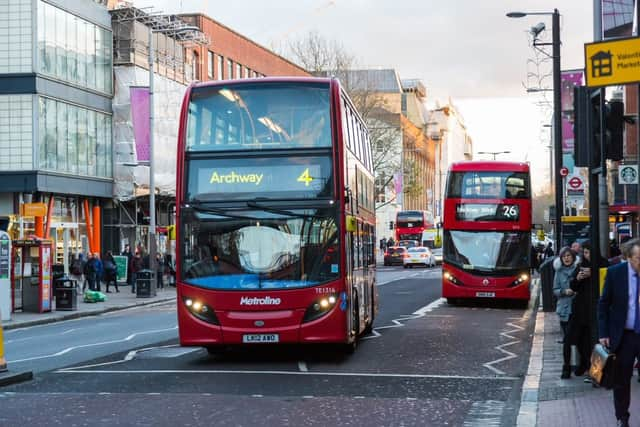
(56, 87)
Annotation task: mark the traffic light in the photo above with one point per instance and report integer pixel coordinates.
(586, 126)
(615, 130)
(391, 225)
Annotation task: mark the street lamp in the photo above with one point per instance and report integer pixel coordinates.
(557, 111)
(494, 153)
(152, 190)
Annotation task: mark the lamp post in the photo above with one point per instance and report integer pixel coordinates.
(557, 112)
(152, 184)
(494, 153)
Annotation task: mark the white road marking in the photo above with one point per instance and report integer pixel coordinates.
(70, 330)
(269, 372)
(302, 366)
(501, 348)
(69, 349)
(485, 414)
(517, 328)
(400, 321)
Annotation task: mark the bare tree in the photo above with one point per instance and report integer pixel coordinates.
(329, 58)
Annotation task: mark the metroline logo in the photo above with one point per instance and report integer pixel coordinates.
(259, 301)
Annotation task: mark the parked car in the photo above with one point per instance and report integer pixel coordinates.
(408, 243)
(437, 255)
(394, 255)
(419, 256)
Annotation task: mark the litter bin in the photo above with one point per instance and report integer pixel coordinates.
(66, 294)
(546, 277)
(143, 283)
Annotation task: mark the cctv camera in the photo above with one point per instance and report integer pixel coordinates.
(537, 29)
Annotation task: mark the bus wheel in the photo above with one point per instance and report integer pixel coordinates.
(215, 351)
(369, 328)
(452, 301)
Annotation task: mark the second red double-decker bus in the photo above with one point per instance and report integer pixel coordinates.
(411, 224)
(487, 231)
(275, 215)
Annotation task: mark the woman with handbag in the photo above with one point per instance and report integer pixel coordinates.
(578, 333)
(564, 265)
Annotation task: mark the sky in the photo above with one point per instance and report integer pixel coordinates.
(467, 51)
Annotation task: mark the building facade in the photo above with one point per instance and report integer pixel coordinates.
(55, 116)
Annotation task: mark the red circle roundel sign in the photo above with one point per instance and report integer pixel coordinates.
(564, 171)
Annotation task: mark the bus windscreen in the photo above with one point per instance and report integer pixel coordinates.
(259, 116)
(487, 251)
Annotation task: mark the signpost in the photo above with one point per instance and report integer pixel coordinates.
(121, 267)
(564, 171)
(613, 62)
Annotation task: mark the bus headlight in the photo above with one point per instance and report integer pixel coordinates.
(448, 276)
(201, 310)
(521, 279)
(320, 307)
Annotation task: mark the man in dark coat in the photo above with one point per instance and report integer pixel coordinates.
(619, 325)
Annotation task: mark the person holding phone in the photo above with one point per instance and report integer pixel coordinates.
(578, 329)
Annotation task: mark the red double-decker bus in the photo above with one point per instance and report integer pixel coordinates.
(275, 215)
(487, 231)
(411, 224)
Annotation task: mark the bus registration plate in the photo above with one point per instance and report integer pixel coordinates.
(260, 338)
(485, 294)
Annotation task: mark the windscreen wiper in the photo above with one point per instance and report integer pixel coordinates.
(255, 205)
(196, 206)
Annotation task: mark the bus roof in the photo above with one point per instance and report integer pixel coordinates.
(489, 165)
(261, 80)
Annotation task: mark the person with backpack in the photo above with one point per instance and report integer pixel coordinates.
(77, 270)
(110, 271)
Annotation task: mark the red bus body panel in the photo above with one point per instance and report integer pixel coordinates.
(469, 284)
(286, 319)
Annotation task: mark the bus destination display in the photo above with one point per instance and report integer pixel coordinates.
(306, 175)
(487, 212)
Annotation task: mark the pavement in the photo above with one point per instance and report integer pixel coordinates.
(548, 401)
(114, 301)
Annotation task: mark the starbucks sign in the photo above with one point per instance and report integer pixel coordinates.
(628, 174)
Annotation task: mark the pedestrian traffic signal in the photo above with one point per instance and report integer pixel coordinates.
(391, 224)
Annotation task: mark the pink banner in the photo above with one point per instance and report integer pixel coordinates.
(569, 79)
(397, 178)
(140, 119)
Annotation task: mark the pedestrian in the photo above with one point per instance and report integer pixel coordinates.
(99, 270)
(576, 247)
(619, 325)
(127, 252)
(578, 332)
(110, 271)
(136, 266)
(383, 244)
(159, 265)
(564, 266)
(390, 242)
(548, 251)
(534, 259)
(90, 272)
(77, 270)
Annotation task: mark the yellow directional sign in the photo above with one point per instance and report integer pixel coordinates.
(613, 62)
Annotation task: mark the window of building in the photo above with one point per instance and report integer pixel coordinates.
(73, 139)
(229, 69)
(195, 69)
(219, 68)
(210, 65)
(238, 71)
(73, 50)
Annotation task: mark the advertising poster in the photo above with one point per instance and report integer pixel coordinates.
(121, 267)
(568, 79)
(45, 279)
(140, 121)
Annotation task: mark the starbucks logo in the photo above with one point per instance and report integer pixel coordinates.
(628, 175)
